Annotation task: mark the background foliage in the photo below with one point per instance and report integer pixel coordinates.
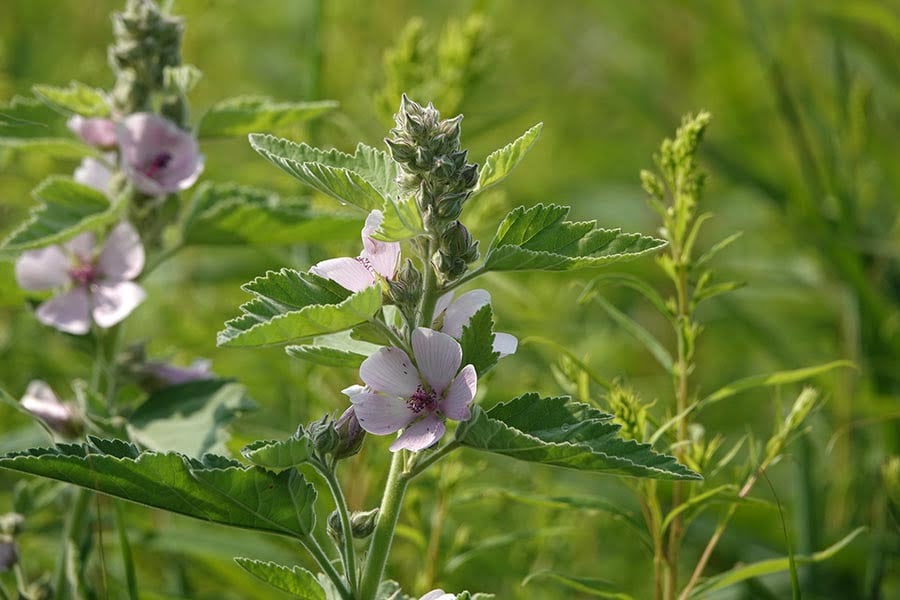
(802, 155)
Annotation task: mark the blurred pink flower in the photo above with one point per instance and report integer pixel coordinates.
(377, 258)
(438, 595)
(94, 131)
(40, 401)
(166, 374)
(456, 315)
(415, 397)
(97, 284)
(158, 157)
(95, 173)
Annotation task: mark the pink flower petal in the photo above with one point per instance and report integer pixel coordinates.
(438, 595)
(168, 374)
(40, 401)
(94, 174)
(348, 272)
(122, 257)
(461, 312)
(438, 356)
(420, 435)
(115, 301)
(69, 312)
(158, 157)
(381, 414)
(42, 269)
(455, 404)
(391, 371)
(383, 256)
(82, 246)
(505, 344)
(441, 305)
(94, 131)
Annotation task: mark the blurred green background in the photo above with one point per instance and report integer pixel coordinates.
(802, 157)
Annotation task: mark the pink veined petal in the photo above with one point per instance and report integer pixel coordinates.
(421, 434)
(391, 371)
(146, 137)
(94, 174)
(115, 301)
(185, 174)
(82, 246)
(142, 135)
(455, 404)
(381, 414)
(169, 374)
(348, 272)
(505, 344)
(383, 256)
(42, 269)
(93, 130)
(122, 257)
(461, 312)
(438, 595)
(441, 305)
(69, 312)
(438, 356)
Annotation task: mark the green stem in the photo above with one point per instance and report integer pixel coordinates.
(127, 558)
(4, 594)
(388, 514)
(75, 523)
(348, 552)
(313, 547)
(429, 287)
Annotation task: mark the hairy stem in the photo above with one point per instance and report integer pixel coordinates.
(75, 523)
(313, 547)
(348, 551)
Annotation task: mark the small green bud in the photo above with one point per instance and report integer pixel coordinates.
(350, 434)
(457, 250)
(362, 523)
(406, 288)
(334, 527)
(324, 437)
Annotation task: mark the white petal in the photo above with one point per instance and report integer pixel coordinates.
(391, 371)
(41, 402)
(441, 305)
(348, 272)
(42, 269)
(505, 344)
(380, 414)
(69, 312)
(438, 356)
(122, 257)
(94, 174)
(383, 256)
(420, 435)
(455, 404)
(115, 301)
(461, 312)
(438, 595)
(82, 246)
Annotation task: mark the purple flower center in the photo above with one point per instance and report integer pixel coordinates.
(421, 400)
(159, 162)
(85, 273)
(364, 261)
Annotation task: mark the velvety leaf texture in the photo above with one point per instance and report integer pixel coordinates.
(77, 99)
(334, 350)
(213, 489)
(241, 116)
(477, 341)
(559, 431)
(539, 239)
(66, 209)
(230, 214)
(501, 162)
(364, 179)
(291, 305)
(279, 455)
(296, 581)
(30, 118)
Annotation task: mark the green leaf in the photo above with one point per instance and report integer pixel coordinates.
(501, 162)
(189, 418)
(296, 581)
(279, 455)
(636, 330)
(181, 79)
(391, 590)
(245, 115)
(364, 179)
(334, 350)
(700, 501)
(477, 341)
(77, 99)
(50, 146)
(538, 239)
(627, 280)
(231, 214)
(290, 305)
(592, 587)
(30, 118)
(559, 431)
(67, 209)
(768, 567)
(214, 489)
(771, 379)
(402, 221)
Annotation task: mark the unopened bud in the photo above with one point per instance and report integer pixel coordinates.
(350, 434)
(457, 250)
(325, 438)
(362, 523)
(62, 418)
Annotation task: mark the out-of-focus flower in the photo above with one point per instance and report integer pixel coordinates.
(415, 397)
(9, 554)
(158, 157)
(438, 595)
(95, 173)
(163, 374)
(376, 259)
(95, 284)
(94, 131)
(40, 401)
(454, 315)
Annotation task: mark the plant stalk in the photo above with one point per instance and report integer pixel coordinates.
(348, 551)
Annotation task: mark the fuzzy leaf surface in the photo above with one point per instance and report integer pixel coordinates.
(334, 350)
(561, 432)
(477, 341)
(22, 118)
(597, 588)
(291, 305)
(279, 455)
(242, 116)
(214, 489)
(499, 164)
(296, 581)
(539, 239)
(76, 99)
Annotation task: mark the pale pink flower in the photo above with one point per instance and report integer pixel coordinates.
(166, 374)
(40, 401)
(456, 315)
(95, 173)
(438, 595)
(96, 284)
(158, 157)
(414, 396)
(95, 131)
(376, 259)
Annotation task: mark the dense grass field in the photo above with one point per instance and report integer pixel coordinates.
(800, 157)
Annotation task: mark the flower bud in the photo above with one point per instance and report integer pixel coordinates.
(362, 523)
(62, 418)
(457, 250)
(406, 288)
(350, 434)
(324, 437)
(11, 524)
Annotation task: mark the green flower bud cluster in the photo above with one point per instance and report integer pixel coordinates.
(457, 251)
(146, 44)
(405, 290)
(630, 412)
(341, 438)
(362, 524)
